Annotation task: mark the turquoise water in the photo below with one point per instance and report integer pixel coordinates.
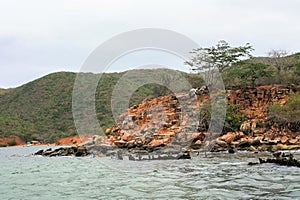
(218, 176)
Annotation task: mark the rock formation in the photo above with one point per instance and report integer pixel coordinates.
(143, 126)
(163, 128)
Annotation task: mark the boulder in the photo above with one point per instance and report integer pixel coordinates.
(184, 155)
(221, 143)
(255, 143)
(157, 143)
(131, 144)
(120, 143)
(81, 151)
(273, 142)
(245, 127)
(244, 144)
(284, 139)
(259, 131)
(287, 147)
(228, 138)
(293, 141)
(127, 137)
(40, 152)
(108, 131)
(64, 151)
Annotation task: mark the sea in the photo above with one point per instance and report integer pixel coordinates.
(210, 176)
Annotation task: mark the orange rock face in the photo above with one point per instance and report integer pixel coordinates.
(74, 139)
(14, 140)
(127, 137)
(229, 137)
(156, 143)
(284, 139)
(161, 121)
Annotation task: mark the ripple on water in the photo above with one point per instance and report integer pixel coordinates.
(218, 176)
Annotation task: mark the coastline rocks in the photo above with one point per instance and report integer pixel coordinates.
(255, 143)
(293, 141)
(127, 137)
(284, 139)
(244, 144)
(76, 151)
(280, 159)
(104, 150)
(256, 132)
(231, 136)
(221, 143)
(184, 155)
(238, 141)
(120, 143)
(144, 130)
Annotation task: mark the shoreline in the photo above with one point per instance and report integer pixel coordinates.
(143, 127)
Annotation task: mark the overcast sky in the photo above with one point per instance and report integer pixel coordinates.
(40, 37)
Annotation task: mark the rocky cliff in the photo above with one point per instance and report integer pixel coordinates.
(160, 122)
(160, 128)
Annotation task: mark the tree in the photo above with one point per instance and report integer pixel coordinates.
(250, 72)
(219, 57)
(280, 60)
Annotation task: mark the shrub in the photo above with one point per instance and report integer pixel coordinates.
(234, 118)
(289, 112)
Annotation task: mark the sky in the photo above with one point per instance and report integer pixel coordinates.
(40, 37)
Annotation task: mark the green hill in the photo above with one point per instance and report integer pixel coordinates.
(42, 109)
(39, 109)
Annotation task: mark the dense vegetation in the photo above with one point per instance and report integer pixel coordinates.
(239, 68)
(39, 110)
(42, 109)
(262, 71)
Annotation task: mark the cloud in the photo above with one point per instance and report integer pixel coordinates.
(37, 35)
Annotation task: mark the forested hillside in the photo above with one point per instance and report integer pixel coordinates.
(42, 109)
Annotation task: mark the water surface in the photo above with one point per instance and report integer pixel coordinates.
(217, 176)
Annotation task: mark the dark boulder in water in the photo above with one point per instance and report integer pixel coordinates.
(185, 155)
(231, 151)
(77, 151)
(143, 153)
(280, 159)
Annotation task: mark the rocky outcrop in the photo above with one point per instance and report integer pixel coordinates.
(161, 128)
(155, 123)
(279, 158)
(97, 146)
(258, 132)
(11, 141)
(77, 151)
